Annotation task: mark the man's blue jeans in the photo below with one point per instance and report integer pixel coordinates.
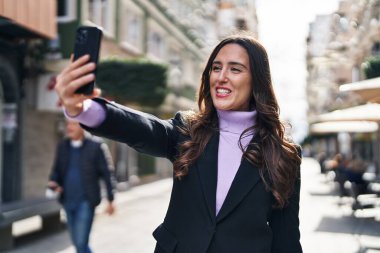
(79, 222)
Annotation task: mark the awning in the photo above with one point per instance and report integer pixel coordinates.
(344, 127)
(28, 19)
(368, 90)
(367, 112)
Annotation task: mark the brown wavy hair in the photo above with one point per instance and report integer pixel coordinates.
(270, 150)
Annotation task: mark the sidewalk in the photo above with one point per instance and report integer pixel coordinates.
(327, 221)
(326, 225)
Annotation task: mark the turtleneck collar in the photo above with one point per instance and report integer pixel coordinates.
(236, 121)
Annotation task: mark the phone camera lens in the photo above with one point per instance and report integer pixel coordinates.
(82, 37)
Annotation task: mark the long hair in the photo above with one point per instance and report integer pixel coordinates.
(270, 151)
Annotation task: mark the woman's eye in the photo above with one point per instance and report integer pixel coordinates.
(235, 70)
(216, 68)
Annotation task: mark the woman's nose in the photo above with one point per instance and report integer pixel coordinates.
(222, 77)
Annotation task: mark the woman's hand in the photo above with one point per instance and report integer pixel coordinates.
(74, 76)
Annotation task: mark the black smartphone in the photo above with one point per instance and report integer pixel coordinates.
(87, 41)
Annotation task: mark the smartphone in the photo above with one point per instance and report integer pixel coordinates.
(87, 41)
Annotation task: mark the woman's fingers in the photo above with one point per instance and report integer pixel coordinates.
(79, 62)
(74, 76)
(65, 79)
(85, 69)
(75, 64)
(77, 83)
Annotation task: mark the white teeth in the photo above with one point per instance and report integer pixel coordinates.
(223, 91)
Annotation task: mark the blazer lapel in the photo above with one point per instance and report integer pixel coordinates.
(207, 167)
(246, 178)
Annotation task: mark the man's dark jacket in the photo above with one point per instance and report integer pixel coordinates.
(247, 221)
(95, 164)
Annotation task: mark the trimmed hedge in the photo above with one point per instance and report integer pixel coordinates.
(372, 67)
(133, 81)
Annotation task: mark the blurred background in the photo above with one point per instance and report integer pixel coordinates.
(325, 62)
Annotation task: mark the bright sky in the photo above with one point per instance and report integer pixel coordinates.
(283, 28)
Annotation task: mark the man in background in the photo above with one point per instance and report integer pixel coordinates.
(79, 164)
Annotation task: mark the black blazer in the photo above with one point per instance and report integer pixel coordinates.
(96, 164)
(247, 221)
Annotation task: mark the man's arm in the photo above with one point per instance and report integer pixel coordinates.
(55, 180)
(107, 170)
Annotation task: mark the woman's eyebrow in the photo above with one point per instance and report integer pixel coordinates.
(231, 63)
(237, 63)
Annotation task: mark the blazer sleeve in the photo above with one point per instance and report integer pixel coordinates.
(285, 222)
(106, 170)
(141, 131)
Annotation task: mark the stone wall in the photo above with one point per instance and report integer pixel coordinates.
(41, 132)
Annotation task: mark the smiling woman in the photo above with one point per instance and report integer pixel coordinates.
(230, 79)
(236, 177)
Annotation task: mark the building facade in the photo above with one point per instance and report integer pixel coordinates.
(21, 29)
(236, 15)
(338, 45)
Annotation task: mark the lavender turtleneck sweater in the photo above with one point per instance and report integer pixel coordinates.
(231, 126)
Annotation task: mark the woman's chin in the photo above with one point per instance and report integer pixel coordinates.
(222, 107)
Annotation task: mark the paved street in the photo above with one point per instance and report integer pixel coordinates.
(327, 223)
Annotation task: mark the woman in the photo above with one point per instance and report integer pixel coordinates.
(236, 177)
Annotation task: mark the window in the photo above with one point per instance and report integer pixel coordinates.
(241, 24)
(61, 8)
(66, 10)
(92, 11)
(134, 31)
(375, 49)
(343, 24)
(131, 29)
(156, 44)
(99, 13)
(355, 74)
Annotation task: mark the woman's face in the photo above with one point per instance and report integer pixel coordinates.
(230, 79)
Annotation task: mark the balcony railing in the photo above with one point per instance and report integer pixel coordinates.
(37, 16)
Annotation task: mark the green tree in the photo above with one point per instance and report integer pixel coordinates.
(372, 67)
(133, 81)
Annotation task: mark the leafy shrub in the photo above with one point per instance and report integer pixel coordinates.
(372, 67)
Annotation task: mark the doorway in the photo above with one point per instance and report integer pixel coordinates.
(10, 142)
